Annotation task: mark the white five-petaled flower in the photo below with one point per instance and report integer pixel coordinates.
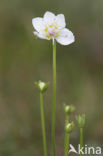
(53, 27)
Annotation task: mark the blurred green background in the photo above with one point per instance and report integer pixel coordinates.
(25, 59)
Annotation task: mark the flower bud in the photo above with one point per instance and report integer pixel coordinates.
(81, 120)
(69, 127)
(69, 109)
(41, 86)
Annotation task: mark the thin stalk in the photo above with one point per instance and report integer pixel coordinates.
(54, 99)
(66, 141)
(43, 125)
(81, 139)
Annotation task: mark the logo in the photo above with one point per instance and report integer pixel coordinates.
(85, 150)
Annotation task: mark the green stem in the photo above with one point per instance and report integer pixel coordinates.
(43, 125)
(81, 139)
(66, 141)
(54, 99)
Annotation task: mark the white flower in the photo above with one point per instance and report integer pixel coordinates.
(53, 27)
(41, 85)
(68, 125)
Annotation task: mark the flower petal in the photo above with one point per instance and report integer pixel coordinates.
(65, 37)
(40, 35)
(38, 24)
(49, 18)
(60, 19)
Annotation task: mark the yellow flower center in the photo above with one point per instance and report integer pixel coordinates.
(51, 31)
